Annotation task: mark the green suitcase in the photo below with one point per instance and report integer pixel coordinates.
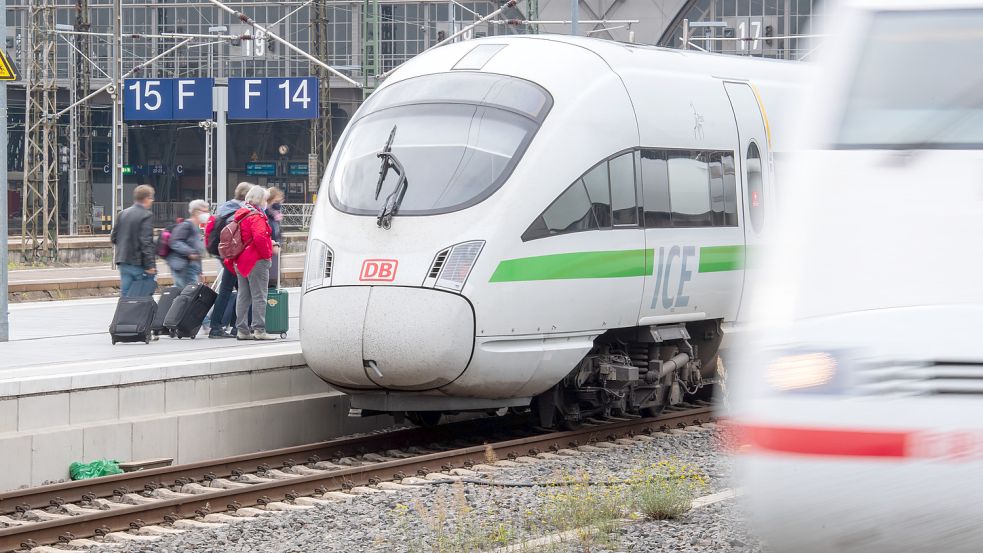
(277, 312)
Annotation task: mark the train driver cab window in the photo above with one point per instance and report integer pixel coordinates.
(571, 212)
(623, 202)
(689, 188)
(755, 188)
(596, 181)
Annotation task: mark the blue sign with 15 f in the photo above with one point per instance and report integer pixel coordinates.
(167, 99)
(273, 98)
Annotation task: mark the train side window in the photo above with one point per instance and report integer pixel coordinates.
(689, 189)
(755, 188)
(730, 189)
(655, 189)
(571, 212)
(623, 202)
(596, 181)
(716, 189)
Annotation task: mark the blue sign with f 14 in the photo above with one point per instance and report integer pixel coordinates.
(273, 98)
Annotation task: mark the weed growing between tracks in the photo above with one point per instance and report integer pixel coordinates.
(588, 507)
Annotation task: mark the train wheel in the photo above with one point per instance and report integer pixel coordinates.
(424, 418)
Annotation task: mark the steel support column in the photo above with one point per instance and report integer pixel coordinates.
(39, 229)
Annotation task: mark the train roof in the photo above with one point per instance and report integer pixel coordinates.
(617, 56)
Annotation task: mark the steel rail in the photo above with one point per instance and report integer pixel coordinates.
(124, 517)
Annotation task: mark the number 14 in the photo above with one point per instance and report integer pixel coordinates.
(300, 95)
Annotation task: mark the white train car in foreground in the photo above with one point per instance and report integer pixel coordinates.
(541, 221)
(861, 399)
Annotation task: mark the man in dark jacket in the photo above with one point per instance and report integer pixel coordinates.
(229, 281)
(133, 236)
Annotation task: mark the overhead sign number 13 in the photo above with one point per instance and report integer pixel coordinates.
(300, 95)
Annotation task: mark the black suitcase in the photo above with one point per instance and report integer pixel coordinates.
(133, 319)
(163, 306)
(188, 310)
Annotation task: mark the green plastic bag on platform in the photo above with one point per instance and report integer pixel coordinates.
(95, 469)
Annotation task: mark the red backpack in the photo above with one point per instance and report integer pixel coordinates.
(230, 244)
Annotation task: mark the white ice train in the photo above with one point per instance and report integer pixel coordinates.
(541, 221)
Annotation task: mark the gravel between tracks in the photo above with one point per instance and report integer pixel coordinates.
(456, 515)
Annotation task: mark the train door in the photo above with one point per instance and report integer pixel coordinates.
(692, 235)
(754, 155)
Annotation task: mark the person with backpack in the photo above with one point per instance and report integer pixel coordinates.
(186, 245)
(246, 241)
(229, 280)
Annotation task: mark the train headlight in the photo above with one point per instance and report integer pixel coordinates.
(802, 372)
(317, 268)
(458, 264)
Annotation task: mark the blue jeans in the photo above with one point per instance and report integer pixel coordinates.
(229, 283)
(127, 275)
(190, 275)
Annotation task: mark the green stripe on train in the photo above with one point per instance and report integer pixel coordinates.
(721, 258)
(607, 264)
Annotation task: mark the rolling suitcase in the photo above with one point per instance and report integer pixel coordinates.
(188, 311)
(142, 287)
(277, 309)
(277, 312)
(133, 319)
(163, 306)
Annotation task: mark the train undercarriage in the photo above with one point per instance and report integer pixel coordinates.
(635, 372)
(630, 372)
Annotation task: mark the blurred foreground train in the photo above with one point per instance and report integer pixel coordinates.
(541, 222)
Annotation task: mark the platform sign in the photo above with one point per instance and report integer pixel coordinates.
(261, 168)
(292, 98)
(298, 168)
(167, 99)
(273, 98)
(8, 72)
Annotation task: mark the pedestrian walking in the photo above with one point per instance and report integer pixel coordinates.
(133, 238)
(187, 245)
(229, 281)
(253, 266)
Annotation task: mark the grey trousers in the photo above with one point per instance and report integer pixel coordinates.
(252, 292)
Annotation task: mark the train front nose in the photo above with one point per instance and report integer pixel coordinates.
(387, 337)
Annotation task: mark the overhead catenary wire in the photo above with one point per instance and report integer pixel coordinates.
(249, 21)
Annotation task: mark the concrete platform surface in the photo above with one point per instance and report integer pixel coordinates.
(68, 394)
(52, 341)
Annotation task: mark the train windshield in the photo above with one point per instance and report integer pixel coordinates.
(914, 87)
(459, 137)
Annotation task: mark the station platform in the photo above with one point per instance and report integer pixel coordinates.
(67, 394)
(102, 280)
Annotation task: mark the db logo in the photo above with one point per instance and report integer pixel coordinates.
(378, 270)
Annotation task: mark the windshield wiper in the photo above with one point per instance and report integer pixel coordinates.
(395, 198)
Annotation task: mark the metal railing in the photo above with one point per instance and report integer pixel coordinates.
(295, 216)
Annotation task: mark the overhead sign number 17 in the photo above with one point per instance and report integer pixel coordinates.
(300, 95)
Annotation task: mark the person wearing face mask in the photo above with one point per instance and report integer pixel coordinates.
(187, 245)
(275, 216)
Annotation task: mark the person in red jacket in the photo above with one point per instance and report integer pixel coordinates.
(253, 266)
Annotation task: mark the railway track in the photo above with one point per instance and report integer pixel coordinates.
(69, 512)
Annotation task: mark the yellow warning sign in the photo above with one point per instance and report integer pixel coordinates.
(7, 70)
